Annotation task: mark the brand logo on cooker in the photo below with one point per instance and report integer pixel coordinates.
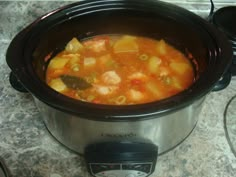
(125, 135)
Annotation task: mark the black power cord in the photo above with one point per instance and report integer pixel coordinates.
(226, 129)
(3, 169)
(209, 18)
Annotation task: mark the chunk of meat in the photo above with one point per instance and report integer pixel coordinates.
(96, 45)
(135, 95)
(111, 78)
(89, 61)
(138, 76)
(105, 90)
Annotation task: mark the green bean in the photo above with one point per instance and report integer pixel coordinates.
(91, 78)
(143, 57)
(90, 98)
(166, 80)
(75, 67)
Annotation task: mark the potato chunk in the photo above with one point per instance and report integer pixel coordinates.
(153, 64)
(58, 85)
(126, 44)
(58, 63)
(161, 47)
(177, 84)
(74, 62)
(74, 46)
(153, 88)
(180, 68)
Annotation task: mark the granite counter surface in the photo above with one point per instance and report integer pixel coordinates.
(30, 151)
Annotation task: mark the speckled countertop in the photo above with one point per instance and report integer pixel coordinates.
(30, 151)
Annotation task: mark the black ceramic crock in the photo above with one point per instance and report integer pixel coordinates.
(158, 20)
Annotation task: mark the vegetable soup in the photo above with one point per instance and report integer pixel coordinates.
(119, 70)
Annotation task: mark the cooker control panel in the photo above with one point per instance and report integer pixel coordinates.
(121, 170)
(121, 159)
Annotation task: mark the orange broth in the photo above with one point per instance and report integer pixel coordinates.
(119, 70)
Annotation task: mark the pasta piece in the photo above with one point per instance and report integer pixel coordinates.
(120, 100)
(143, 57)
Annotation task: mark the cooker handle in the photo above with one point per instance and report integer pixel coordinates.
(233, 66)
(223, 82)
(16, 84)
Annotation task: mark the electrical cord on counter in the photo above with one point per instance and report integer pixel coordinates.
(226, 129)
(209, 18)
(3, 169)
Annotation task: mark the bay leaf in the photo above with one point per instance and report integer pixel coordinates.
(75, 82)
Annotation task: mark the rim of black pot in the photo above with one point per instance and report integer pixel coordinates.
(21, 47)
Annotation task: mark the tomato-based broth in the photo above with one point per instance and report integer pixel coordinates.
(119, 70)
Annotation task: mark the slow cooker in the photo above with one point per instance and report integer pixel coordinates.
(120, 140)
